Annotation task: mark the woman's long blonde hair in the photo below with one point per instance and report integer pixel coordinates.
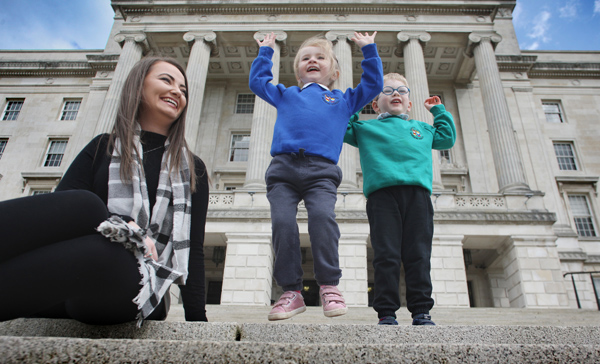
(125, 124)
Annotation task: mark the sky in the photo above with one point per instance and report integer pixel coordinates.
(86, 24)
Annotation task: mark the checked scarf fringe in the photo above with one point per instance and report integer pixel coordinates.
(169, 226)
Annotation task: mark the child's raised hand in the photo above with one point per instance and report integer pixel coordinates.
(363, 40)
(432, 101)
(269, 41)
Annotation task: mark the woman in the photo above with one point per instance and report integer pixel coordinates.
(125, 222)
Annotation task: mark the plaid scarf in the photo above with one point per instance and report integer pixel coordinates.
(169, 226)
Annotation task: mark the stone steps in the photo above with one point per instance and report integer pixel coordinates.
(310, 338)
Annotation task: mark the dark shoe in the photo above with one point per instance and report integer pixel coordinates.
(423, 319)
(388, 320)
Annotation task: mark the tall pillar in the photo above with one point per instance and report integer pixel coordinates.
(133, 44)
(416, 75)
(263, 121)
(208, 132)
(353, 262)
(509, 168)
(203, 45)
(248, 272)
(343, 52)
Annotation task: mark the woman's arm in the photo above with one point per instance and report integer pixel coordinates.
(194, 293)
(82, 171)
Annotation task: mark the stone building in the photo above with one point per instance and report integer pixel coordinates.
(516, 203)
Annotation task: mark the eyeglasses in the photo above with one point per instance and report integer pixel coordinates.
(388, 90)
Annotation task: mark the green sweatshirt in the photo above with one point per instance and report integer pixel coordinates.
(397, 152)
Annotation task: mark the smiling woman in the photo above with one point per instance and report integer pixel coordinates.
(139, 187)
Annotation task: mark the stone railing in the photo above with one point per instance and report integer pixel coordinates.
(449, 207)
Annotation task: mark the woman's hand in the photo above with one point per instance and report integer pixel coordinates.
(149, 243)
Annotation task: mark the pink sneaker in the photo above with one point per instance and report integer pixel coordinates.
(332, 300)
(289, 304)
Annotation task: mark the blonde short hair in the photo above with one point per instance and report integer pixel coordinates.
(327, 47)
(393, 76)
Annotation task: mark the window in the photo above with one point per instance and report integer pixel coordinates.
(445, 156)
(3, 143)
(245, 104)
(70, 109)
(55, 154)
(240, 143)
(12, 110)
(582, 215)
(565, 156)
(553, 112)
(40, 192)
(368, 110)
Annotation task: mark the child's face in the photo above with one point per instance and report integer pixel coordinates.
(315, 66)
(395, 103)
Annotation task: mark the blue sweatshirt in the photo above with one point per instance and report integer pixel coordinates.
(314, 118)
(396, 152)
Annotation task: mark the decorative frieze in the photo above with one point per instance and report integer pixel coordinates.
(318, 8)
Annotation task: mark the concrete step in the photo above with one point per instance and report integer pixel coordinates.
(484, 336)
(71, 350)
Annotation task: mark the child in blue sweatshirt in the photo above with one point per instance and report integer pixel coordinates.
(395, 156)
(307, 141)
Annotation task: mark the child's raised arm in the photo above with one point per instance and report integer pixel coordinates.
(431, 102)
(269, 41)
(363, 40)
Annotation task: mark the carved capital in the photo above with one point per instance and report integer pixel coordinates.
(280, 37)
(138, 37)
(209, 37)
(476, 38)
(405, 37)
(339, 35)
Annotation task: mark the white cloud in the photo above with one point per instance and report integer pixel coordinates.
(569, 11)
(533, 46)
(540, 27)
(596, 7)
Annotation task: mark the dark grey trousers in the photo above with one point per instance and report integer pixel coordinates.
(291, 178)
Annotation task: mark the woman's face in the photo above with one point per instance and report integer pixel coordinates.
(163, 98)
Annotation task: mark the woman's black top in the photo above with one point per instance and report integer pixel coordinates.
(89, 171)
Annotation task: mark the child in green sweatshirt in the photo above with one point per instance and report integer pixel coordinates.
(395, 156)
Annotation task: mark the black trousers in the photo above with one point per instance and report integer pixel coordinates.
(54, 264)
(401, 226)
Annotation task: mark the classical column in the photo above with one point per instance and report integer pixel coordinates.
(263, 121)
(203, 45)
(411, 44)
(509, 168)
(343, 52)
(248, 272)
(133, 45)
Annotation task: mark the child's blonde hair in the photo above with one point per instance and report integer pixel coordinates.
(327, 48)
(393, 76)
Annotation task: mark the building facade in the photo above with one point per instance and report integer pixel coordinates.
(516, 202)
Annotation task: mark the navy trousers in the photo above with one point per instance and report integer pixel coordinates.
(401, 225)
(290, 179)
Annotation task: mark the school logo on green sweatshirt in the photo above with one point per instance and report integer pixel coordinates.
(416, 133)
